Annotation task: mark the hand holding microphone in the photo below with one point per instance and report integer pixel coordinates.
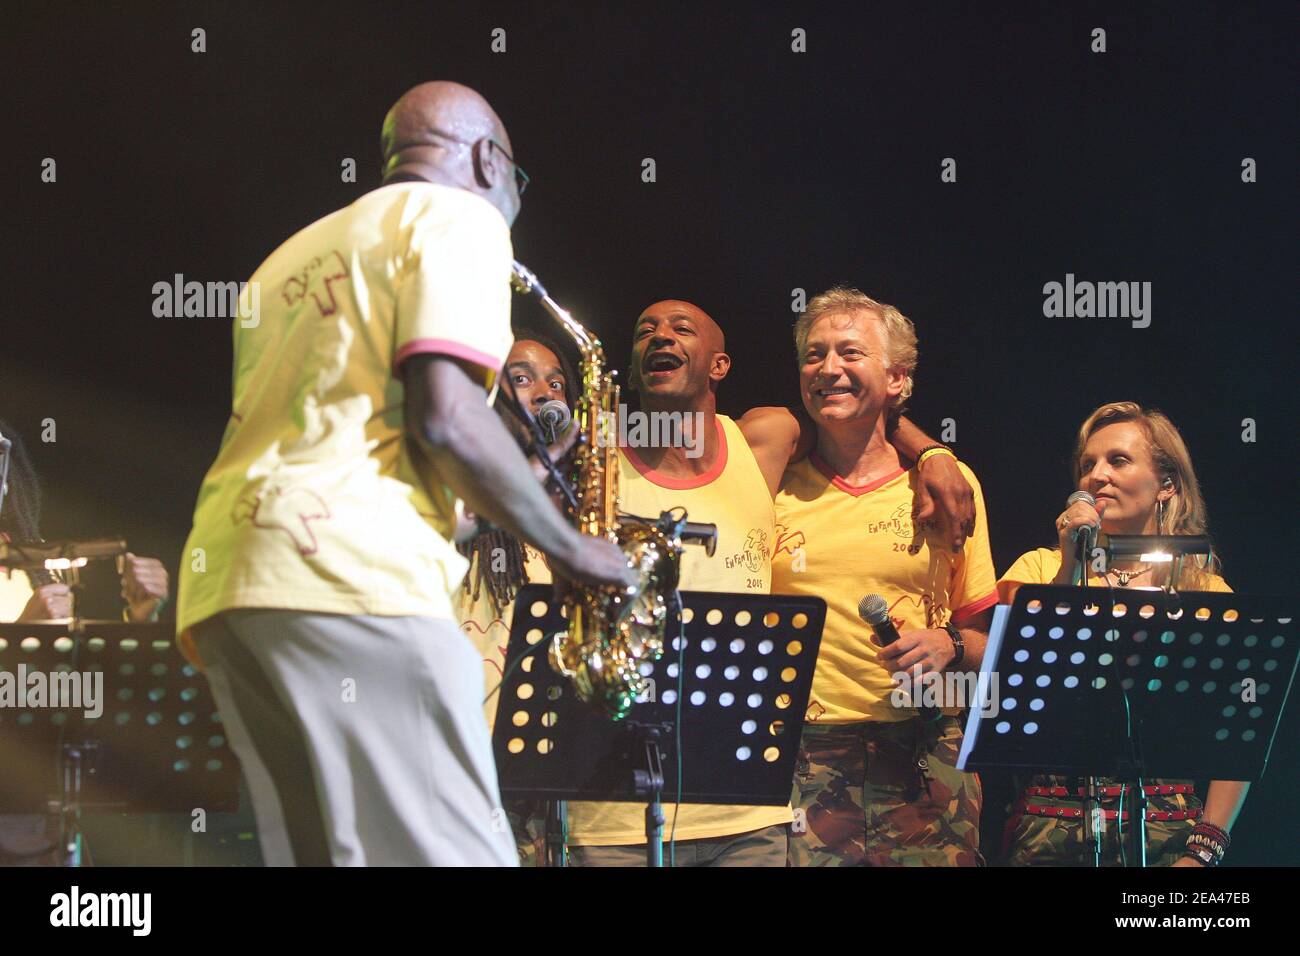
(1078, 525)
(917, 649)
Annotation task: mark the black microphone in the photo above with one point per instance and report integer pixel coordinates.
(874, 610)
(554, 417)
(6, 447)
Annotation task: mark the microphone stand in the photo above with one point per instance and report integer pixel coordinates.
(1094, 818)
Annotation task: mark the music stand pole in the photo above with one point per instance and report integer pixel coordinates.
(1094, 819)
(649, 783)
(556, 833)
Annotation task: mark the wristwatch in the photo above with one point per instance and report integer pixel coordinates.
(958, 644)
(1200, 853)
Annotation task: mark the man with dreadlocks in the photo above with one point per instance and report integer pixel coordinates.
(539, 371)
(500, 564)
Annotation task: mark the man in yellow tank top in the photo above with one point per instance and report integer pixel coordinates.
(726, 476)
(717, 478)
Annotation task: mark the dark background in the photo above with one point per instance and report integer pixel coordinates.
(775, 170)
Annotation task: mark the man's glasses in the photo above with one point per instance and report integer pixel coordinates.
(522, 179)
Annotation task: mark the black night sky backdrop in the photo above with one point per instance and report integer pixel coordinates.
(775, 171)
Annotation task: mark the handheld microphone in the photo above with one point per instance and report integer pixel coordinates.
(554, 417)
(1087, 532)
(874, 610)
(5, 447)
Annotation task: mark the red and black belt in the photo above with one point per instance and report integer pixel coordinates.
(1157, 790)
(1076, 813)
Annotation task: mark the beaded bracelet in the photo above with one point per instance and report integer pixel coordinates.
(1206, 843)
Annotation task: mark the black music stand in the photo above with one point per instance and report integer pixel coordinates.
(1132, 684)
(744, 675)
(156, 745)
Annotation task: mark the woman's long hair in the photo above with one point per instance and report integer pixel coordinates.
(497, 561)
(1184, 512)
(20, 517)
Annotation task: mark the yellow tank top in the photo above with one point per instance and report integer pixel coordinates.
(734, 496)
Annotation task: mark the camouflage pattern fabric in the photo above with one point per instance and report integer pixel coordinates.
(1055, 841)
(528, 824)
(884, 794)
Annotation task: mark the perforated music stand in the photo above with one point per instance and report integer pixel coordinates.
(157, 745)
(744, 675)
(1132, 684)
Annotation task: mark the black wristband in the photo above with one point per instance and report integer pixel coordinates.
(958, 644)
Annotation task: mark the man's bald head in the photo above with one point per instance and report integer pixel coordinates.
(676, 329)
(708, 330)
(442, 132)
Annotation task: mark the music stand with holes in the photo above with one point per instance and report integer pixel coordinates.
(156, 745)
(744, 675)
(1133, 684)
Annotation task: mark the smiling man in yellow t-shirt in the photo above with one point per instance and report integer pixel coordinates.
(875, 784)
(725, 474)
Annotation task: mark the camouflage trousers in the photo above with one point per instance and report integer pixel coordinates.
(1058, 841)
(528, 824)
(884, 794)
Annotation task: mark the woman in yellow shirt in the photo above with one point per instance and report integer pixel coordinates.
(1134, 462)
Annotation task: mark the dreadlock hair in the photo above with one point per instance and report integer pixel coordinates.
(497, 560)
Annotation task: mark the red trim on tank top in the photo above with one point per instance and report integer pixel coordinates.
(844, 486)
(682, 484)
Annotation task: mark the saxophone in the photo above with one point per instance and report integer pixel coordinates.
(611, 632)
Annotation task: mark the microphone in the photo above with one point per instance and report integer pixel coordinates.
(554, 417)
(6, 447)
(1087, 532)
(874, 610)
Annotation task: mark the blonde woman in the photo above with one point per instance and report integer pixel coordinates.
(1135, 464)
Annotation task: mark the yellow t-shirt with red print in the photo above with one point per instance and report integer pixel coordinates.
(839, 542)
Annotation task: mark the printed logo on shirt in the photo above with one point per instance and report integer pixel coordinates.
(936, 613)
(754, 556)
(787, 541)
(314, 279)
(900, 523)
(284, 509)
